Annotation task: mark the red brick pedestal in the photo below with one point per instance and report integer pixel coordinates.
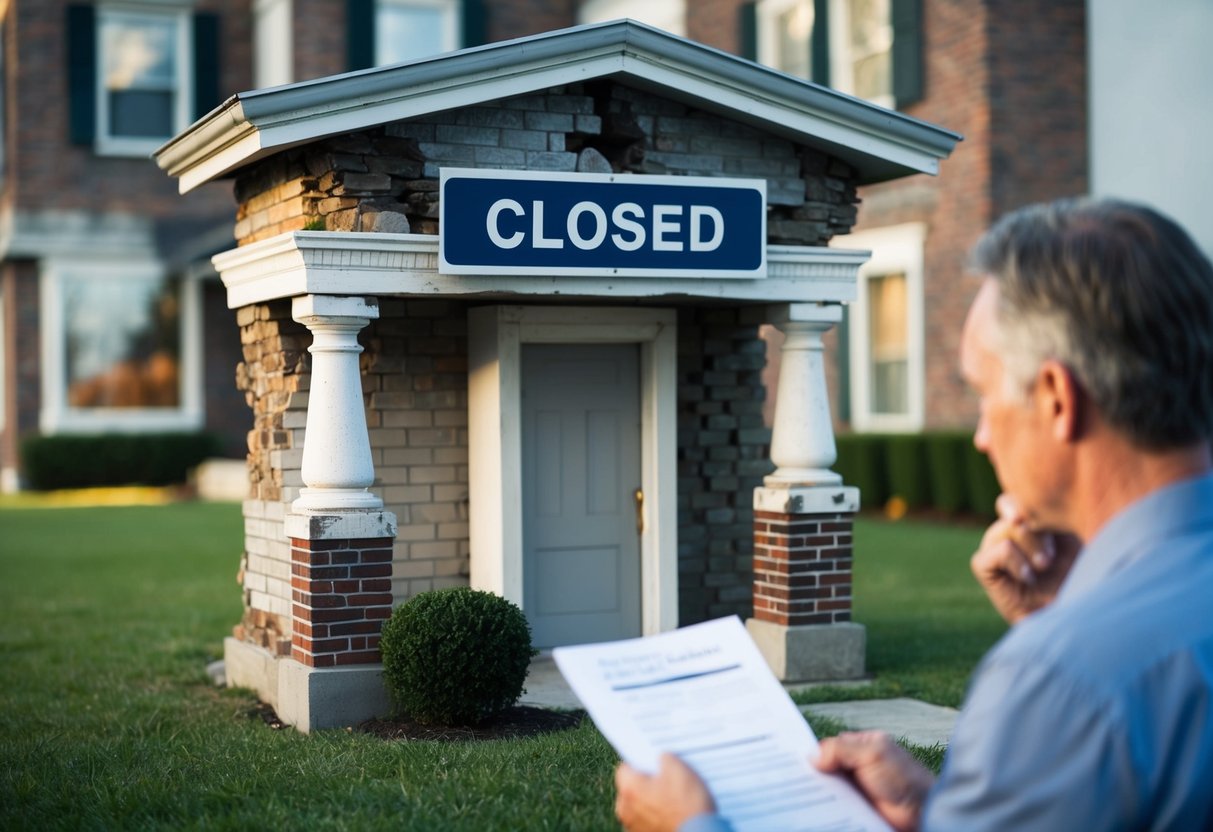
(341, 592)
(802, 583)
(341, 588)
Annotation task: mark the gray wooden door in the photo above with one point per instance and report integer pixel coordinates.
(580, 473)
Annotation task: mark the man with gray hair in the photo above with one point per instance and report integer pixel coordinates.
(1090, 345)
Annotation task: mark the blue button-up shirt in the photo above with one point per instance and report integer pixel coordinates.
(1096, 713)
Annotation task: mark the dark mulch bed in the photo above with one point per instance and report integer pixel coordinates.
(518, 721)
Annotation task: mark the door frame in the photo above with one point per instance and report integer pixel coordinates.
(495, 338)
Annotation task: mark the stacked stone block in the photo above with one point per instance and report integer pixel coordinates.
(722, 457)
(274, 379)
(386, 178)
(802, 568)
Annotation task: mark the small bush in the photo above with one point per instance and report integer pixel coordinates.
(91, 460)
(946, 469)
(456, 656)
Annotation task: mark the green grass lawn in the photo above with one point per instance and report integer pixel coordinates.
(109, 615)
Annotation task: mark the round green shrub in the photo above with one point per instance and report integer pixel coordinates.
(456, 656)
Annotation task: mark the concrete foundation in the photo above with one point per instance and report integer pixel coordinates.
(308, 698)
(811, 653)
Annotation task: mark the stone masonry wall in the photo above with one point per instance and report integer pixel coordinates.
(386, 178)
(274, 378)
(415, 382)
(722, 458)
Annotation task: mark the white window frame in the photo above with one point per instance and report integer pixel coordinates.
(57, 416)
(896, 249)
(842, 63)
(183, 53)
(668, 15)
(769, 12)
(273, 43)
(451, 13)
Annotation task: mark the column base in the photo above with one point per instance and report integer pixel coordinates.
(308, 698)
(812, 652)
(312, 698)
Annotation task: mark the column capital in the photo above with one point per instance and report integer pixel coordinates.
(308, 309)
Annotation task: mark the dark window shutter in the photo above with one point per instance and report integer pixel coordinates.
(908, 69)
(360, 34)
(82, 74)
(819, 43)
(206, 63)
(747, 31)
(474, 28)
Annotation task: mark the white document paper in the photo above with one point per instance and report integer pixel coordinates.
(705, 693)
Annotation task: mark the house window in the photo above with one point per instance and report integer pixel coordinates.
(867, 48)
(670, 15)
(120, 348)
(410, 29)
(785, 29)
(861, 49)
(888, 334)
(885, 330)
(144, 79)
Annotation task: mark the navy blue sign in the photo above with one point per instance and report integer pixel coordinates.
(524, 222)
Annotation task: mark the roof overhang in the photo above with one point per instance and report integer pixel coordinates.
(881, 144)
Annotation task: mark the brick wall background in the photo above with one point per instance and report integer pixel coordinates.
(55, 175)
(1011, 78)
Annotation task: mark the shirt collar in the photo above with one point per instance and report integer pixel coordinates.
(1132, 533)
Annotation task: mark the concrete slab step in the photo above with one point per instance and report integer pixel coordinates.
(917, 722)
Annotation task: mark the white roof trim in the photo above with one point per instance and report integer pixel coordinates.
(369, 263)
(881, 143)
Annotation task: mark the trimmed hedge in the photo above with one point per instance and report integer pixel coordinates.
(861, 463)
(946, 470)
(906, 459)
(940, 470)
(91, 460)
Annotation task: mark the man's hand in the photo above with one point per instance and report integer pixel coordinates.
(893, 782)
(660, 802)
(1021, 569)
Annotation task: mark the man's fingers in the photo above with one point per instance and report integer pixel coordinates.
(1002, 558)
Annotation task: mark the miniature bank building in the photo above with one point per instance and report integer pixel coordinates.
(499, 314)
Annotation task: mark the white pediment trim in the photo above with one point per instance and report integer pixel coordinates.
(882, 144)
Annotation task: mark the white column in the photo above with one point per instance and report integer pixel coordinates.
(802, 440)
(337, 467)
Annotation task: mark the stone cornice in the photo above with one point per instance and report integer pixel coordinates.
(366, 263)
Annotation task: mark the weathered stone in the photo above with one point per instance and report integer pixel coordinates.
(386, 222)
(590, 160)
